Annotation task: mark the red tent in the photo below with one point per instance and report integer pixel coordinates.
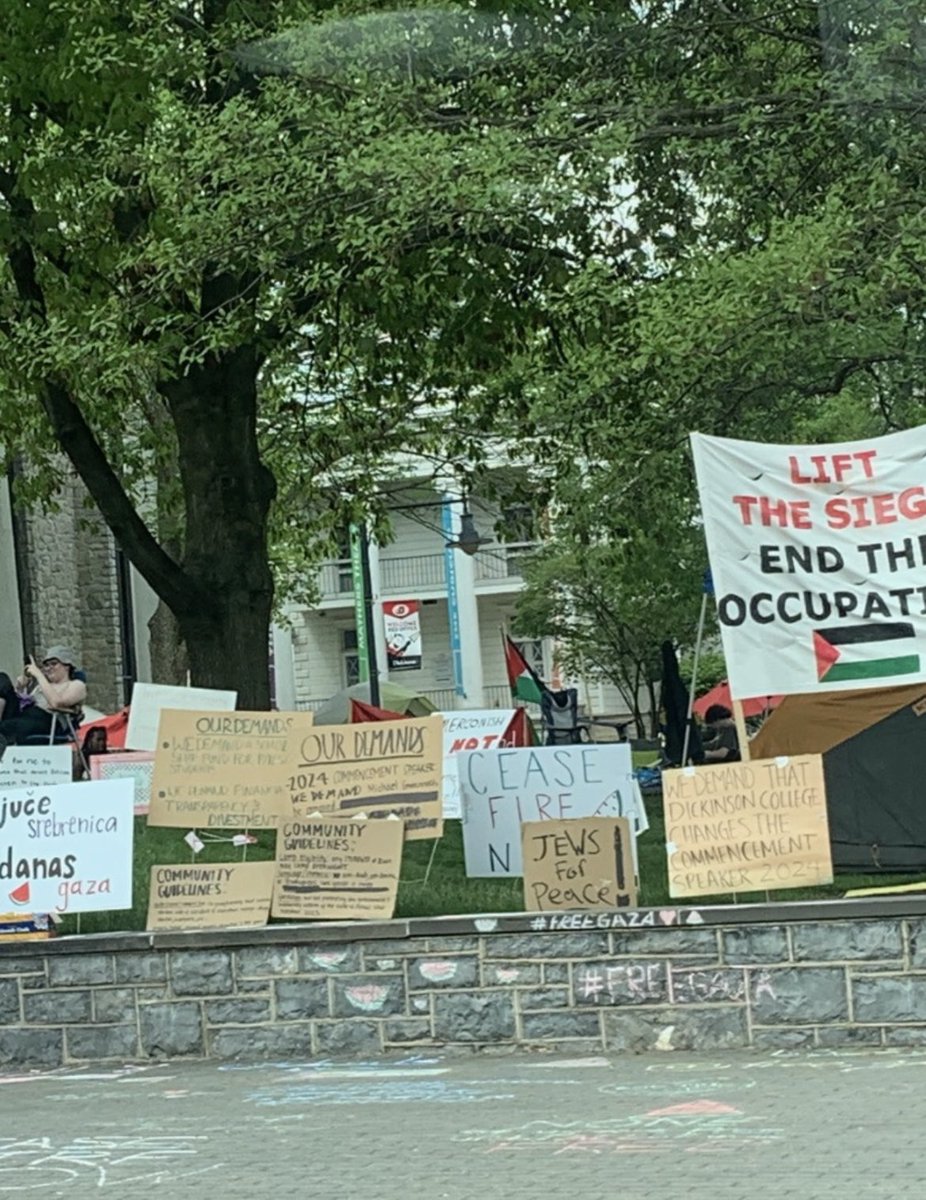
(360, 712)
(720, 694)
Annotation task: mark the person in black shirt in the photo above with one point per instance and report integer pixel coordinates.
(724, 745)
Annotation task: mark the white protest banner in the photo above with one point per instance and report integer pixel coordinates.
(502, 788)
(137, 765)
(149, 698)
(476, 729)
(402, 622)
(818, 555)
(67, 849)
(35, 766)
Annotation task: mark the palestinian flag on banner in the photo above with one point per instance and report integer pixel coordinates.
(875, 650)
(524, 680)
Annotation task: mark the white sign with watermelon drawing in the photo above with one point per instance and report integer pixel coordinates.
(67, 849)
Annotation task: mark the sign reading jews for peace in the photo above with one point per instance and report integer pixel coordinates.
(210, 895)
(379, 768)
(67, 849)
(747, 827)
(218, 770)
(503, 788)
(337, 869)
(582, 863)
(818, 555)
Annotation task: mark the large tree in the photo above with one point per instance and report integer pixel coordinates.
(761, 276)
(252, 244)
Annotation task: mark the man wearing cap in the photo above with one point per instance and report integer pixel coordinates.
(54, 689)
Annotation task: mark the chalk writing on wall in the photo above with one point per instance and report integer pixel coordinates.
(650, 918)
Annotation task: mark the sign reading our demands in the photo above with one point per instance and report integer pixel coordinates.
(818, 555)
(584, 863)
(210, 895)
(337, 869)
(382, 768)
(224, 770)
(503, 788)
(67, 849)
(747, 827)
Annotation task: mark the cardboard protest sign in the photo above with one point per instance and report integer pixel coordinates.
(817, 555)
(502, 788)
(35, 766)
(210, 895)
(136, 765)
(67, 849)
(478, 729)
(380, 768)
(747, 827)
(578, 863)
(337, 868)
(223, 770)
(148, 699)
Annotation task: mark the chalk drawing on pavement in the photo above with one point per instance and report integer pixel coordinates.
(43, 1163)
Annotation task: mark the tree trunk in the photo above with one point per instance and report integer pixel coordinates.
(169, 660)
(227, 497)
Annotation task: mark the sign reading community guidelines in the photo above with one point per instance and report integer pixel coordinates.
(818, 555)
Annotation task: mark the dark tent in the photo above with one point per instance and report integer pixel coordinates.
(873, 744)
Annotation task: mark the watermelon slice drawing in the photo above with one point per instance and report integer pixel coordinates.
(20, 895)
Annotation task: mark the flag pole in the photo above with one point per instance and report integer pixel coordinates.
(694, 676)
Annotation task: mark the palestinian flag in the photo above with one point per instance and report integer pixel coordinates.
(524, 680)
(876, 650)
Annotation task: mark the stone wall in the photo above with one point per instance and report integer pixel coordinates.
(796, 975)
(70, 592)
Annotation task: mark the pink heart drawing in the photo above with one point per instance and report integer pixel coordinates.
(668, 916)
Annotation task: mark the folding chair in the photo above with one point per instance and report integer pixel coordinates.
(561, 723)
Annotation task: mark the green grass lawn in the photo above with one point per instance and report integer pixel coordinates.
(433, 878)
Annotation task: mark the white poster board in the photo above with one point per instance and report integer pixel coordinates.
(479, 729)
(149, 698)
(67, 849)
(818, 561)
(35, 766)
(502, 788)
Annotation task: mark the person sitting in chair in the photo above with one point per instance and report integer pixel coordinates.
(55, 689)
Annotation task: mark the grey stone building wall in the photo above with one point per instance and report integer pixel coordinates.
(619, 982)
(69, 590)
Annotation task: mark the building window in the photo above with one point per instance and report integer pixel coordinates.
(518, 525)
(532, 649)
(350, 657)
(345, 573)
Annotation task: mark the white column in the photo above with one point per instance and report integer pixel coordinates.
(379, 629)
(465, 642)
(284, 668)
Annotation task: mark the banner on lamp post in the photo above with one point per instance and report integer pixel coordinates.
(402, 621)
(356, 573)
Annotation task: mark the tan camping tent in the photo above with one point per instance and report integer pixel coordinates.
(815, 723)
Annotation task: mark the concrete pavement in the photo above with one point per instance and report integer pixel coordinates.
(434, 1127)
